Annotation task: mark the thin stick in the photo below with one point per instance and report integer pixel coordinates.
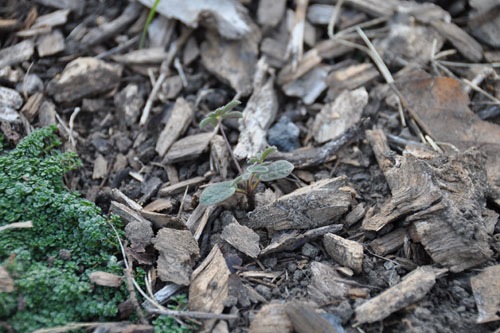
(17, 225)
(194, 314)
(240, 171)
(175, 47)
(72, 124)
(376, 57)
(334, 17)
(130, 286)
(362, 25)
(464, 64)
(479, 90)
(74, 326)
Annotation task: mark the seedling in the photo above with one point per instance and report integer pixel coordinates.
(248, 180)
(215, 119)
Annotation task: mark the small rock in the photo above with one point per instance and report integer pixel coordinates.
(284, 135)
(310, 250)
(264, 291)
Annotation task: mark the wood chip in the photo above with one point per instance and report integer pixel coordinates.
(270, 12)
(326, 284)
(292, 240)
(105, 279)
(288, 74)
(389, 242)
(100, 167)
(346, 252)
(170, 88)
(305, 320)
(180, 187)
(178, 252)
(109, 29)
(209, 286)
(374, 7)
(271, 318)
(188, 148)
(179, 120)
(17, 53)
(143, 56)
(137, 229)
(129, 102)
(241, 238)
(413, 288)
(232, 61)
(316, 205)
(464, 43)
(31, 107)
(160, 204)
(84, 77)
(308, 87)
(220, 156)
(351, 77)
(50, 44)
(258, 115)
(356, 214)
(486, 289)
(228, 17)
(53, 19)
(336, 117)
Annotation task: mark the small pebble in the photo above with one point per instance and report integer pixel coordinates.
(310, 250)
(264, 291)
(284, 135)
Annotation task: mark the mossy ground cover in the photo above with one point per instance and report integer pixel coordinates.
(70, 238)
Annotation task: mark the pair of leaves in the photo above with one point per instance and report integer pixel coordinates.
(267, 171)
(224, 112)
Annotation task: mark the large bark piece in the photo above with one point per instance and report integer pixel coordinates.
(316, 205)
(444, 198)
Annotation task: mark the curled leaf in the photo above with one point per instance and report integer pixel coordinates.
(276, 170)
(217, 193)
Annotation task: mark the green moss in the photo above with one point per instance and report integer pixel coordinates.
(52, 289)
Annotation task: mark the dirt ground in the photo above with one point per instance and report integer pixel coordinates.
(120, 153)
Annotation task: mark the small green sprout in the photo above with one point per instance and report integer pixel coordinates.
(214, 118)
(248, 181)
(151, 14)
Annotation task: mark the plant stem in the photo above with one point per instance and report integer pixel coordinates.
(240, 171)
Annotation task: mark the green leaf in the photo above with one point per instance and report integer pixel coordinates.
(217, 193)
(266, 152)
(208, 121)
(233, 114)
(276, 170)
(257, 168)
(151, 14)
(228, 107)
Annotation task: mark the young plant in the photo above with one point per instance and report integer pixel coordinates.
(247, 181)
(215, 119)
